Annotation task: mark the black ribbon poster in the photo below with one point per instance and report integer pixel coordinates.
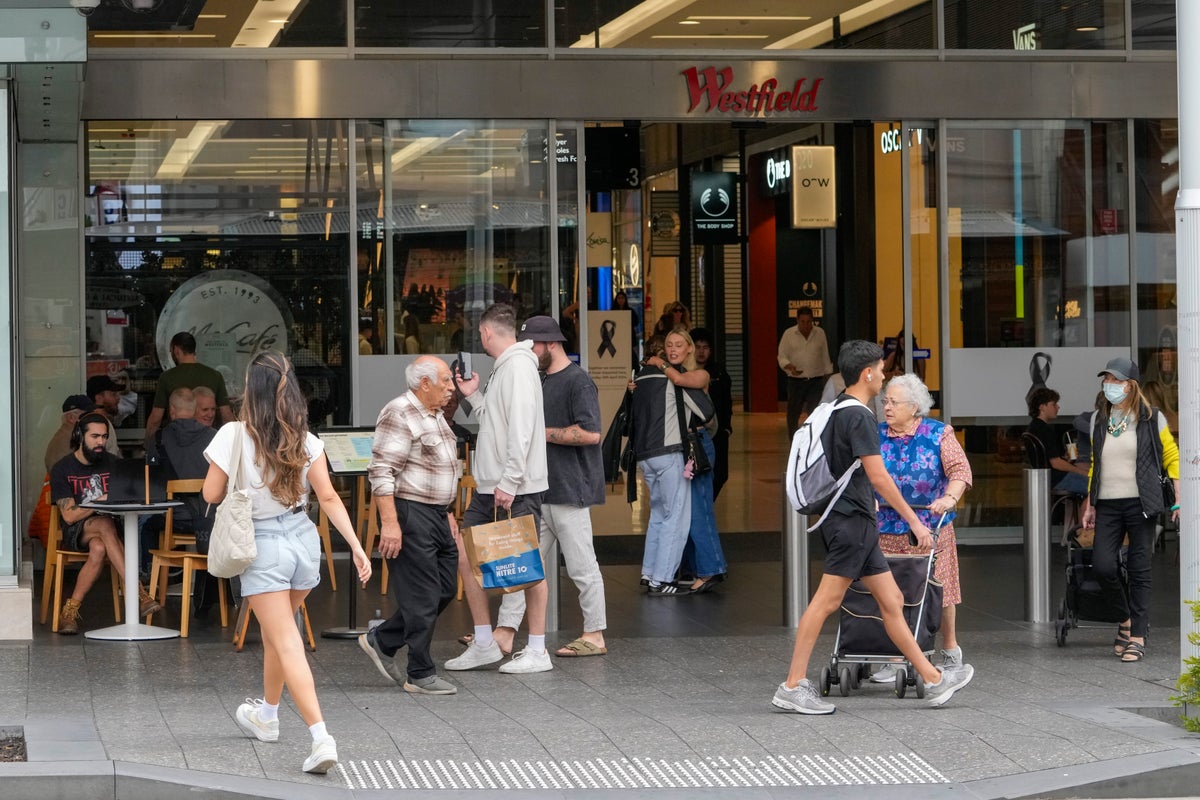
(608, 329)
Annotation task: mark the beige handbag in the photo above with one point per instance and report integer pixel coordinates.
(231, 547)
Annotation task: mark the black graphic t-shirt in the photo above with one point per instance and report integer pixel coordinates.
(84, 482)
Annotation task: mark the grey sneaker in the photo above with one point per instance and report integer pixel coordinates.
(384, 663)
(952, 658)
(952, 680)
(247, 719)
(885, 674)
(802, 700)
(430, 685)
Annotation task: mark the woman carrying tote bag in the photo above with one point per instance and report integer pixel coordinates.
(280, 460)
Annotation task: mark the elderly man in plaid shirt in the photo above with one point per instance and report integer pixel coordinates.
(414, 463)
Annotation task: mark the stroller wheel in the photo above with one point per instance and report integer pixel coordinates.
(844, 681)
(857, 675)
(901, 681)
(1060, 631)
(826, 681)
(919, 684)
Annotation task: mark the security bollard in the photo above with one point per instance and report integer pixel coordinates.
(1037, 545)
(795, 564)
(550, 562)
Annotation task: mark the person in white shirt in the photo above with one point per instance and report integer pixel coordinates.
(804, 357)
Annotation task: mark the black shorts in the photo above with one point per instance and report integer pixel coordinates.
(72, 535)
(852, 546)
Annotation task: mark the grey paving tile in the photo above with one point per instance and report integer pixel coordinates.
(67, 750)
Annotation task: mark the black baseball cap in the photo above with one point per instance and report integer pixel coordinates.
(78, 402)
(540, 329)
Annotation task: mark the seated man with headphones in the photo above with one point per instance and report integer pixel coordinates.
(81, 477)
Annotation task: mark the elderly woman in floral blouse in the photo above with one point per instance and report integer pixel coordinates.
(931, 469)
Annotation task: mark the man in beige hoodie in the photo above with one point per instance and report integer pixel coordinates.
(509, 467)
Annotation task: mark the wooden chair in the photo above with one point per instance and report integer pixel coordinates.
(242, 627)
(191, 562)
(56, 561)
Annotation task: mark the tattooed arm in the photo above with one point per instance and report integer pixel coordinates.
(573, 436)
(70, 511)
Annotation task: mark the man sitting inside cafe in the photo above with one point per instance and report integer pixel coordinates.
(83, 476)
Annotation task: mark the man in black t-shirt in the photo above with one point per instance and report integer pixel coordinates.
(1043, 410)
(572, 411)
(852, 541)
(83, 477)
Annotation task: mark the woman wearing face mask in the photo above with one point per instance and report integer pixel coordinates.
(1131, 447)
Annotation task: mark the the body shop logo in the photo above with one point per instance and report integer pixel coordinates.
(715, 88)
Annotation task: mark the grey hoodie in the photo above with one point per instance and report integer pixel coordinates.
(183, 443)
(510, 453)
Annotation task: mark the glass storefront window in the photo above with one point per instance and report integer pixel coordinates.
(1153, 24)
(1156, 149)
(1035, 25)
(1038, 229)
(770, 25)
(450, 23)
(241, 25)
(236, 231)
(453, 217)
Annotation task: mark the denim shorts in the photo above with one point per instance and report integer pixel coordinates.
(289, 555)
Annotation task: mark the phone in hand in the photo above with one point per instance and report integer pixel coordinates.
(464, 365)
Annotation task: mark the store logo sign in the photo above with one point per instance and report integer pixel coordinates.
(779, 173)
(1025, 37)
(714, 208)
(716, 89)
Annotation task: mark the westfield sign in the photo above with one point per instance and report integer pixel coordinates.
(716, 89)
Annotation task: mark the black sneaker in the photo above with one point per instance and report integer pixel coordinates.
(667, 590)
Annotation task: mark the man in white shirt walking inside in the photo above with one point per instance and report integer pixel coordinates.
(804, 356)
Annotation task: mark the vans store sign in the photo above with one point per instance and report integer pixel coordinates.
(718, 90)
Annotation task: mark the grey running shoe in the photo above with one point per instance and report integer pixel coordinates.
(430, 685)
(952, 658)
(384, 663)
(952, 680)
(885, 674)
(802, 700)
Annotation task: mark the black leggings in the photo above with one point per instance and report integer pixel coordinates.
(1114, 519)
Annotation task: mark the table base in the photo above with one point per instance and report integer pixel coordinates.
(131, 632)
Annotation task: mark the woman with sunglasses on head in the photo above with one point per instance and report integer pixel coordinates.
(1131, 448)
(280, 461)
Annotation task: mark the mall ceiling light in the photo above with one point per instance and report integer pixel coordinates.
(261, 27)
(635, 21)
(419, 147)
(184, 151)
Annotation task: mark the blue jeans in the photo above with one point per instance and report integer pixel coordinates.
(703, 551)
(670, 516)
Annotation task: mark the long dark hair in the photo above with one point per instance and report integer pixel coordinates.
(275, 414)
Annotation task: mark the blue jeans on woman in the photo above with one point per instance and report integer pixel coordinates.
(670, 516)
(703, 551)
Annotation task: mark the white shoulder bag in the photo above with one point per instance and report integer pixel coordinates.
(231, 547)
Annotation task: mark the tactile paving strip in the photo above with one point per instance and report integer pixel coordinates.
(640, 773)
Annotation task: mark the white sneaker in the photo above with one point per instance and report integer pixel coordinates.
(247, 719)
(476, 656)
(528, 661)
(323, 756)
(885, 674)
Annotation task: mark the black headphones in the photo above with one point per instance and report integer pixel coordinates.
(81, 425)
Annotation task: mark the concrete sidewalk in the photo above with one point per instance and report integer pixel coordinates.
(680, 703)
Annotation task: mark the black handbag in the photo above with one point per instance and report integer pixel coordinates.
(1167, 485)
(615, 458)
(693, 447)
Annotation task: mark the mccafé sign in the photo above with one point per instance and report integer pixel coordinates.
(718, 91)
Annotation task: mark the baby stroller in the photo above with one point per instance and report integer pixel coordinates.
(1085, 598)
(862, 641)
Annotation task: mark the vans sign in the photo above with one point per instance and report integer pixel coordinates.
(711, 89)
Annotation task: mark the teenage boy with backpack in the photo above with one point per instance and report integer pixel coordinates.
(851, 538)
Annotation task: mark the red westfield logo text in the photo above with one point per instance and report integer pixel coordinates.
(716, 86)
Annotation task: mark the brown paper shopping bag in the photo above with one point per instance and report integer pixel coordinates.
(504, 553)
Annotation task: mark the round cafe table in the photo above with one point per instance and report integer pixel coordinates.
(131, 630)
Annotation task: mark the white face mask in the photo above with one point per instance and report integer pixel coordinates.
(1115, 393)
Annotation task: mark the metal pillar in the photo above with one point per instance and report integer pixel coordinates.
(1037, 545)
(550, 561)
(795, 565)
(1187, 256)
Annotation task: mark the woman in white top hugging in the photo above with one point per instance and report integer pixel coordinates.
(280, 461)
